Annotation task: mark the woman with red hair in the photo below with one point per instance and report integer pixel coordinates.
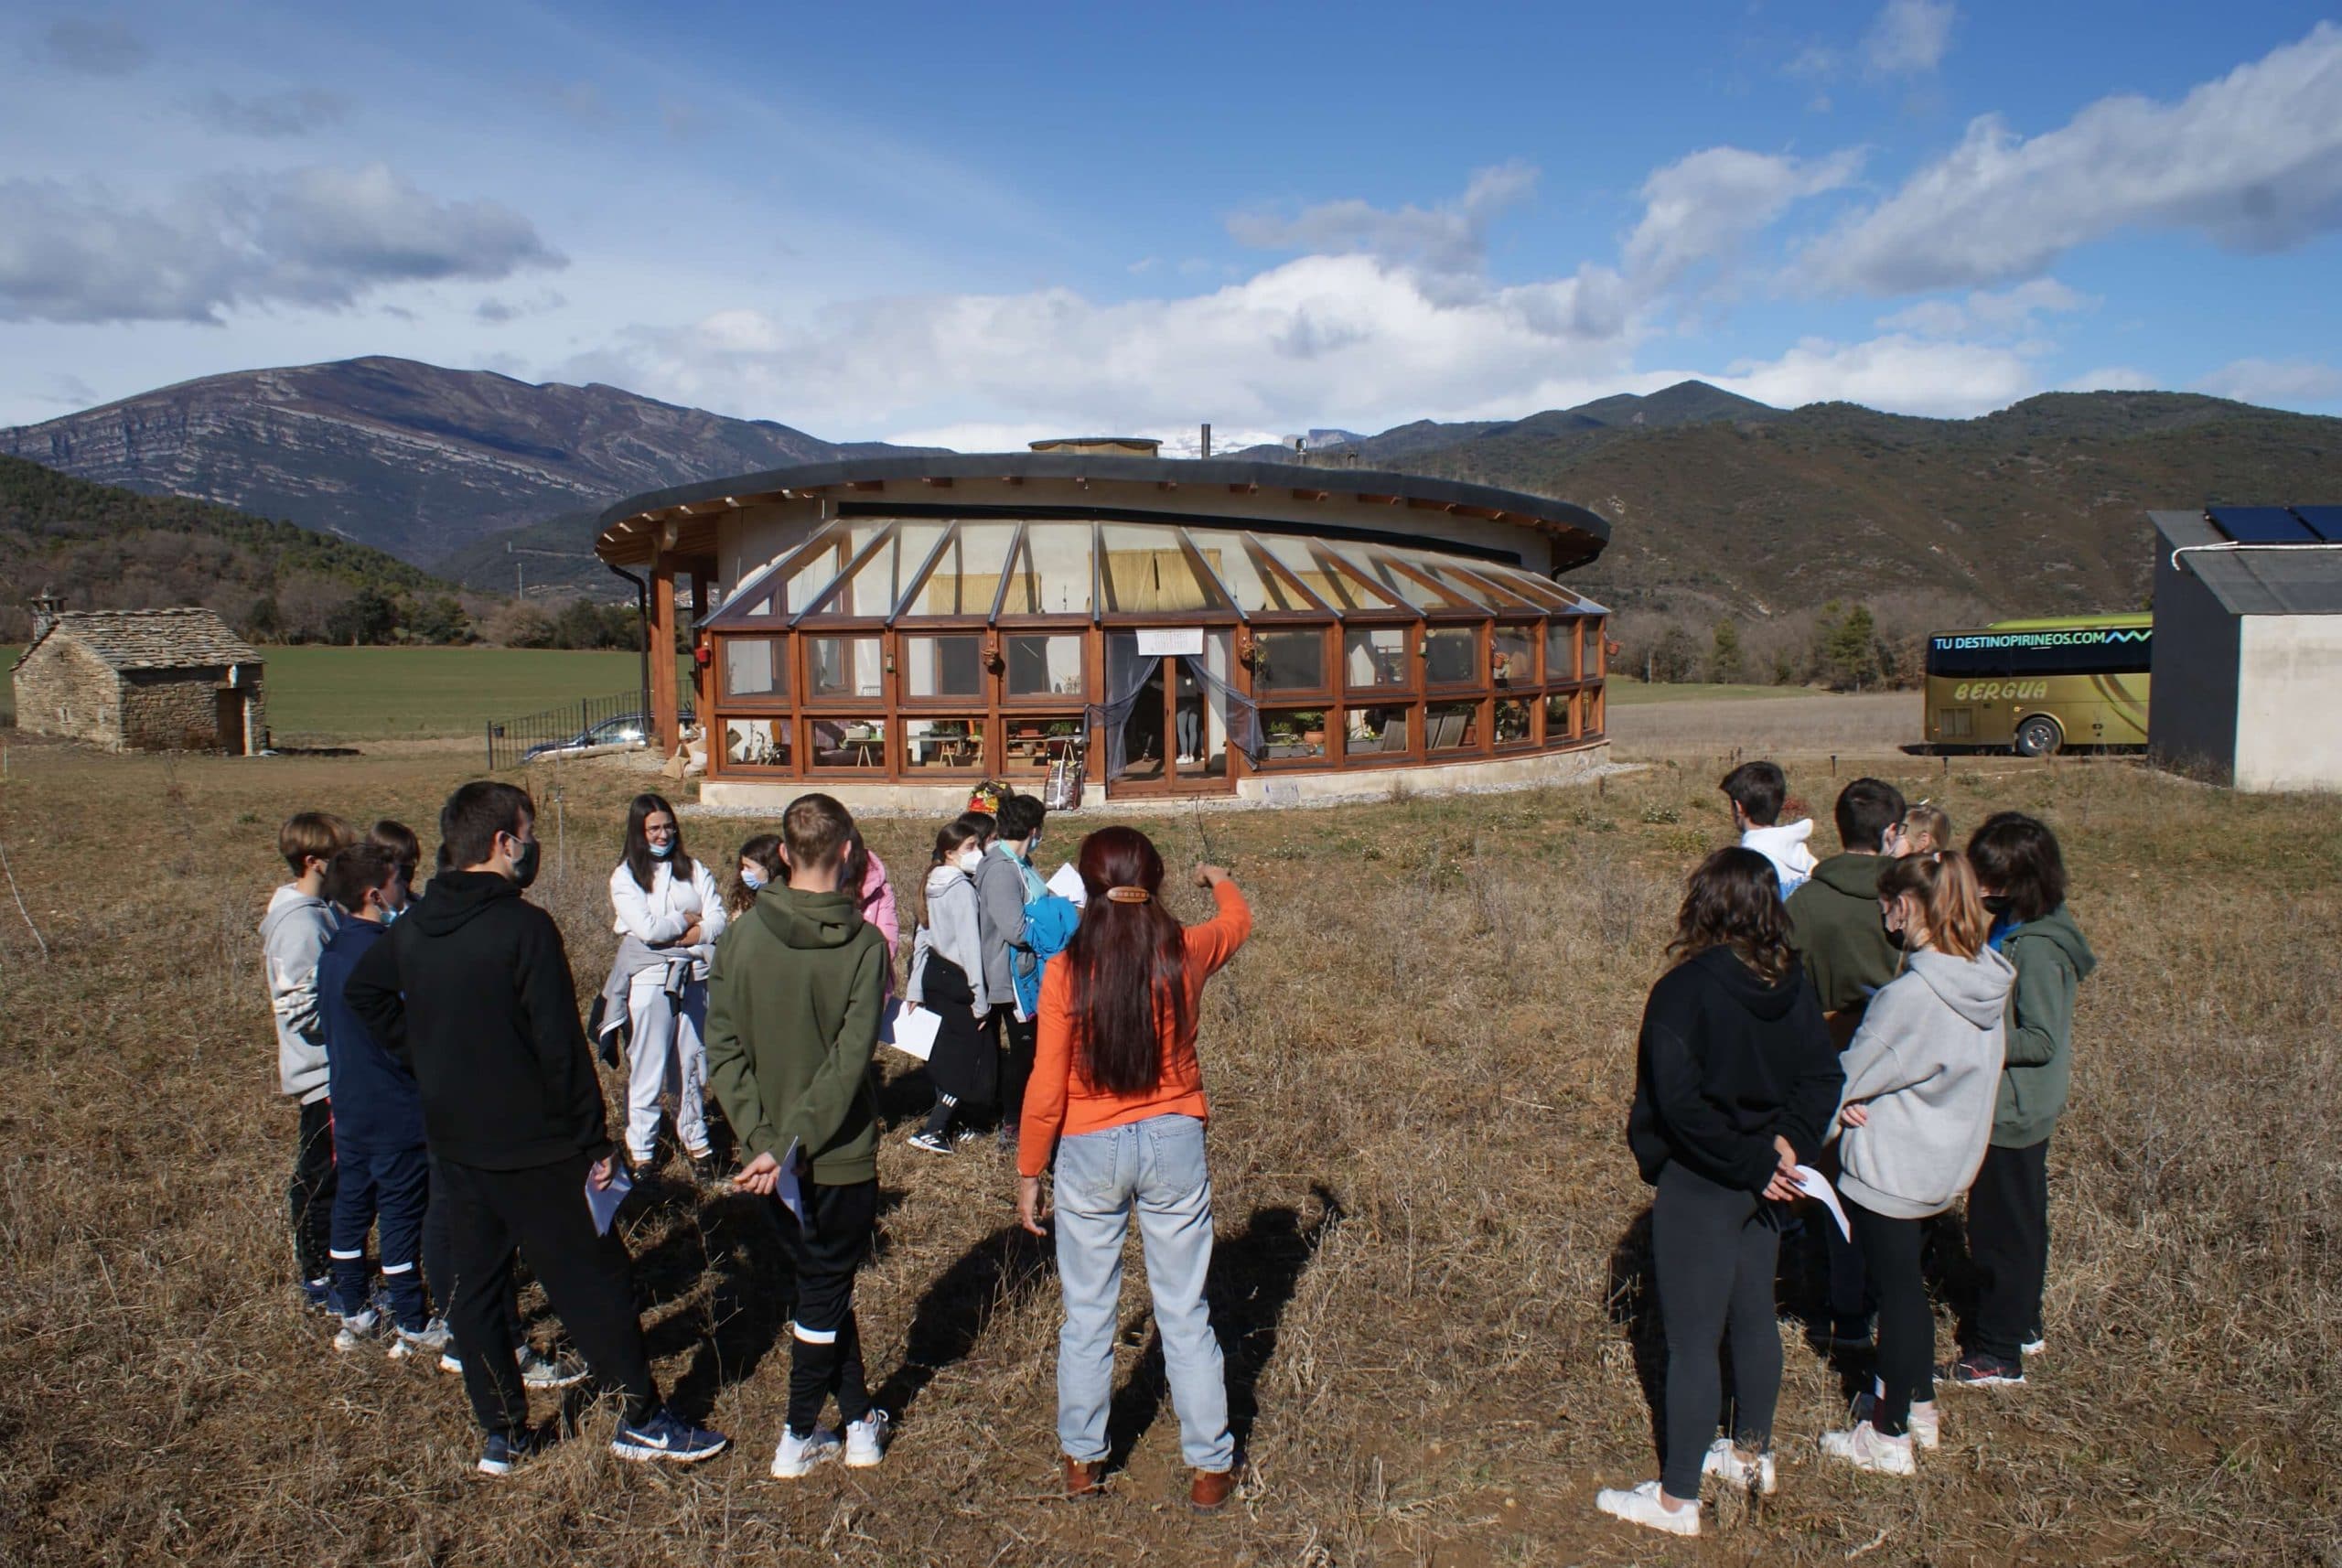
(1117, 1093)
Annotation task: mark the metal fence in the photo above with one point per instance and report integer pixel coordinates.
(623, 718)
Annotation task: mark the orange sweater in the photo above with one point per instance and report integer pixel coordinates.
(1059, 1101)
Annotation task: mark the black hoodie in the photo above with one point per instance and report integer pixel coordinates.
(1725, 1063)
(472, 989)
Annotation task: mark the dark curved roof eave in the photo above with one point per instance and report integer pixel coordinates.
(1539, 509)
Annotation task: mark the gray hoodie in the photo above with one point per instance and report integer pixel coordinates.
(291, 934)
(953, 930)
(1926, 1065)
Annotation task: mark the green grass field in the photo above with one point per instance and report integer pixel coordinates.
(418, 693)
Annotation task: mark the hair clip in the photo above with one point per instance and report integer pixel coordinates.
(1128, 895)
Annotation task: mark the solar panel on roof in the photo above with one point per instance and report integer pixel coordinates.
(2261, 525)
(2325, 521)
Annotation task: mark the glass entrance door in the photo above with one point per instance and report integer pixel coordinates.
(1175, 736)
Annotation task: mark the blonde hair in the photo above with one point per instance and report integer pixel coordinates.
(1945, 885)
(1930, 822)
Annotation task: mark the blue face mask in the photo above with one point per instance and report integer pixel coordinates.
(753, 881)
(661, 850)
(390, 917)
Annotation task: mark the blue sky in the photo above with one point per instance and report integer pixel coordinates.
(973, 225)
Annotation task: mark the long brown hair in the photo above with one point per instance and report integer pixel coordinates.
(638, 858)
(1945, 885)
(1129, 961)
(764, 850)
(1734, 900)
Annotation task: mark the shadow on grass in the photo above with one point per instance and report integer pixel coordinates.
(1254, 1277)
(954, 1312)
(1632, 1302)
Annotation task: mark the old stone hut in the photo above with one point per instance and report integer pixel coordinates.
(172, 679)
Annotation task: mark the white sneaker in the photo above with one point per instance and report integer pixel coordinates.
(865, 1441)
(1923, 1425)
(1641, 1505)
(1724, 1460)
(359, 1329)
(432, 1338)
(2034, 1347)
(797, 1456)
(1868, 1448)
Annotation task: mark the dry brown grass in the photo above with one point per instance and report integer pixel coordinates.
(1427, 1218)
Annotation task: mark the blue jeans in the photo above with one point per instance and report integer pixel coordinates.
(1155, 1167)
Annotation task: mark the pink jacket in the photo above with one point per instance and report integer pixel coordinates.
(879, 903)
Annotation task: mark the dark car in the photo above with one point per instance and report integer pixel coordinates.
(626, 730)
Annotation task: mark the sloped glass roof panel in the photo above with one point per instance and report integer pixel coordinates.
(1229, 556)
(1146, 572)
(762, 596)
(809, 577)
(1305, 560)
(1376, 564)
(1051, 574)
(966, 577)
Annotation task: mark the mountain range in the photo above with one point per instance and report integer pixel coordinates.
(1721, 506)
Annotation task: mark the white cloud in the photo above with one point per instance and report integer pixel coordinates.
(317, 236)
(2283, 384)
(2011, 311)
(1449, 238)
(1897, 372)
(274, 115)
(1700, 207)
(2253, 161)
(1908, 37)
(90, 47)
(2112, 378)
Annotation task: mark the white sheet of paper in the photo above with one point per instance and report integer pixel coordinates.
(1067, 885)
(1814, 1184)
(785, 1186)
(915, 1032)
(604, 1204)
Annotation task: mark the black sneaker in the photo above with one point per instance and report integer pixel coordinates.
(706, 1168)
(1850, 1335)
(1978, 1370)
(500, 1454)
(931, 1143)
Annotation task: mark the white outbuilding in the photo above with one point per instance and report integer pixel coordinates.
(2247, 646)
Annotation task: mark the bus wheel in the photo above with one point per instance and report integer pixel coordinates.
(2038, 736)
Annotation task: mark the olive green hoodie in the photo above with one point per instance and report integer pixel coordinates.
(792, 1022)
(1835, 926)
(2052, 961)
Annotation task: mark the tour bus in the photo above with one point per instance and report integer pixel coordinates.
(2039, 685)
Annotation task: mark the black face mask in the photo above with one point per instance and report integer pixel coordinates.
(524, 864)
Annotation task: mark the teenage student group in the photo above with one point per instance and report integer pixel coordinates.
(1887, 1028)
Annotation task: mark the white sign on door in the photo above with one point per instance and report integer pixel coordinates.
(1185, 640)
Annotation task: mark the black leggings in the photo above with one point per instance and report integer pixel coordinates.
(2008, 1237)
(1906, 1328)
(1714, 1250)
(308, 1197)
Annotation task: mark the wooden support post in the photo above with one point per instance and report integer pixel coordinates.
(664, 725)
(702, 676)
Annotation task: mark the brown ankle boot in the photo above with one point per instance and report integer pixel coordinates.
(1083, 1477)
(1211, 1489)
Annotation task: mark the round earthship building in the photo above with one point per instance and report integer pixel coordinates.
(895, 629)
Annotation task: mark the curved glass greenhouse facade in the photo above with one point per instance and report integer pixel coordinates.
(914, 626)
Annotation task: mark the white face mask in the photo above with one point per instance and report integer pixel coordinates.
(971, 860)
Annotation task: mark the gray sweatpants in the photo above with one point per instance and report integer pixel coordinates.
(1714, 1250)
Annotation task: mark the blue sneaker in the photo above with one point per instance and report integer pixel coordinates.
(665, 1436)
(500, 1453)
(319, 1292)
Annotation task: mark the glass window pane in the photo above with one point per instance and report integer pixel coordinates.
(1146, 572)
(756, 666)
(814, 574)
(843, 667)
(1044, 663)
(1513, 721)
(1452, 656)
(1320, 576)
(944, 666)
(943, 746)
(1561, 721)
(857, 742)
(757, 742)
(1560, 649)
(1375, 657)
(1451, 726)
(1289, 661)
(1292, 734)
(1051, 573)
(968, 576)
(1396, 585)
(1595, 657)
(1512, 659)
(1029, 739)
(1378, 732)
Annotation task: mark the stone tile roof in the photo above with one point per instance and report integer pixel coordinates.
(151, 640)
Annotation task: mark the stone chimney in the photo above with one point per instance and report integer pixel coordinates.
(44, 607)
